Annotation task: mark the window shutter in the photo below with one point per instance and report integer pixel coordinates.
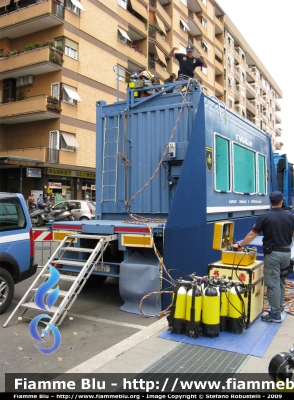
(54, 140)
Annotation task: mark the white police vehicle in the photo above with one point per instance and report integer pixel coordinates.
(16, 245)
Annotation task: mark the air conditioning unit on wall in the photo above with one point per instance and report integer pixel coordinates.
(28, 80)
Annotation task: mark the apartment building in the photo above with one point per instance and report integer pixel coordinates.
(250, 89)
(58, 57)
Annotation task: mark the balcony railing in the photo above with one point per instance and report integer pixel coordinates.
(250, 106)
(43, 154)
(12, 20)
(236, 93)
(237, 74)
(278, 131)
(33, 61)
(30, 109)
(237, 55)
(250, 89)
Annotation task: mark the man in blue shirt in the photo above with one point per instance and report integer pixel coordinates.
(187, 62)
(277, 226)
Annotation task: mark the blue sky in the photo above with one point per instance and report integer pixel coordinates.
(268, 27)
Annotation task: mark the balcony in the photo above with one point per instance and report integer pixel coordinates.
(251, 107)
(219, 68)
(278, 120)
(194, 24)
(250, 92)
(34, 62)
(237, 56)
(195, 5)
(31, 109)
(219, 44)
(33, 18)
(158, 70)
(43, 154)
(159, 40)
(133, 53)
(250, 75)
(132, 20)
(278, 131)
(237, 75)
(278, 107)
(162, 13)
(236, 93)
(219, 90)
(219, 26)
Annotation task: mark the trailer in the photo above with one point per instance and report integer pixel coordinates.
(169, 166)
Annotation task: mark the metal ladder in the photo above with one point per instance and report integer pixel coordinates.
(109, 168)
(78, 282)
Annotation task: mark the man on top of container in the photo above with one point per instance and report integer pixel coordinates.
(187, 62)
(277, 226)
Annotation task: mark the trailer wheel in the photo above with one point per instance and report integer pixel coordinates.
(6, 289)
(95, 280)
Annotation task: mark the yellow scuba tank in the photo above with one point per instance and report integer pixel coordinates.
(211, 311)
(178, 310)
(236, 309)
(193, 311)
(224, 307)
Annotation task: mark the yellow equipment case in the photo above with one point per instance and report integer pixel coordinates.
(252, 277)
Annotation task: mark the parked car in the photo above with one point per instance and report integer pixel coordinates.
(83, 209)
(16, 245)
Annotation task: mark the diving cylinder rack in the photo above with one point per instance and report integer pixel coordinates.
(206, 306)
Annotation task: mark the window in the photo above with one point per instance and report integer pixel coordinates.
(230, 103)
(204, 45)
(68, 141)
(184, 25)
(184, 2)
(204, 23)
(204, 70)
(229, 61)
(122, 35)
(123, 3)
(230, 81)
(55, 90)
(11, 214)
(222, 164)
(243, 76)
(1, 54)
(244, 170)
(261, 174)
(70, 95)
(71, 48)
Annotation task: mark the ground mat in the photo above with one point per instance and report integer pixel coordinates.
(195, 359)
(253, 341)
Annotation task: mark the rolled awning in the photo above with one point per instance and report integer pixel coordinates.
(139, 8)
(160, 24)
(160, 55)
(124, 34)
(72, 93)
(185, 24)
(70, 139)
(77, 4)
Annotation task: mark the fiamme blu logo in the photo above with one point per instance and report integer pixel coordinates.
(44, 293)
